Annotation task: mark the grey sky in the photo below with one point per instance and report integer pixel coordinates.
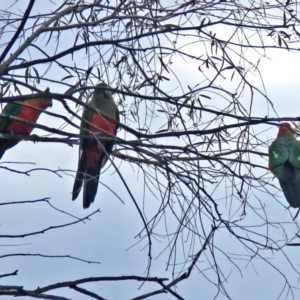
(108, 236)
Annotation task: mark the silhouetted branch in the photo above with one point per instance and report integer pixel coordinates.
(9, 274)
(49, 228)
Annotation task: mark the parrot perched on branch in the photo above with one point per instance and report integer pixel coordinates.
(94, 153)
(27, 110)
(284, 163)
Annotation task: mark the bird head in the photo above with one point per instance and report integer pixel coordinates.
(285, 128)
(101, 94)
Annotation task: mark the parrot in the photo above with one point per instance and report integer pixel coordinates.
(93, 154)
(27, 110)
(284, 163)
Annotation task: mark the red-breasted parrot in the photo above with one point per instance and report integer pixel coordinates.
(93, 153)
(284, 162)
(27, 110)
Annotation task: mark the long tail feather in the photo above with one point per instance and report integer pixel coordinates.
(2, 153)
(291, 192)
(6, 144)
(290, 186)
(79, 178)
(90, 185)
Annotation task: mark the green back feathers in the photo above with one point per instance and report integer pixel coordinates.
(284, 162)
(11, 109)
(14, 108)
(285, 149)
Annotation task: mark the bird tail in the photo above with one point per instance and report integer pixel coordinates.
(90, 185)
(79, 178)
(77, 186)
(2, 153)
(6, 144)
(291, 192)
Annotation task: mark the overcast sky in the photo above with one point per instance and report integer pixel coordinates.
(108, 236)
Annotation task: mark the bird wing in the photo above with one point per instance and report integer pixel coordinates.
(11, 109)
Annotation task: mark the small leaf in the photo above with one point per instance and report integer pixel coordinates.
(219, 142)
(133, 115)
(27, 75)
(192, 108)
(163, 130)
(271, 33)
(50, 35)
(211, 46)
(88, 72)
(217, 58)
(209, 142)
(221, 136)
(163, 64)
(257, 64)
(16, 88)
(36, 74)
(286, 45)
(186, 100)
(228, 68)
(76, 38)
(279, 40)
(199, 102)
(201, 24)
(21, 59)
(213, 64)
(67, 77)
(170, 26)
(232, 75)
(163, 77)
(204, 96)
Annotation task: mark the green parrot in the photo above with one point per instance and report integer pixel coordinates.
(27, 110)
(284, 163)
(93, 153)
